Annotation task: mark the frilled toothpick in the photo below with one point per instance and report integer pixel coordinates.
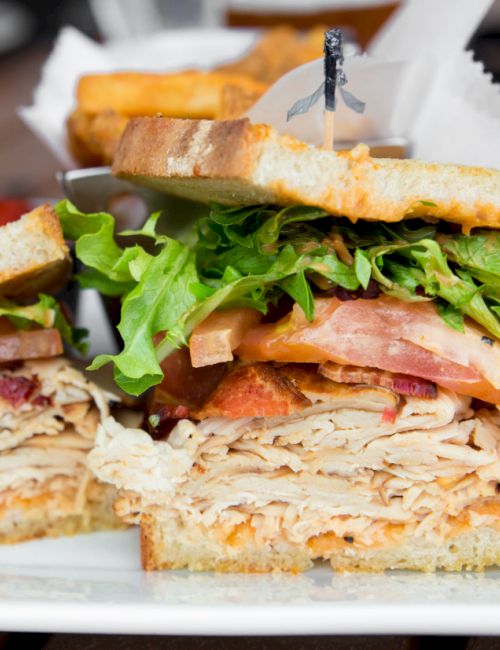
(334, 78)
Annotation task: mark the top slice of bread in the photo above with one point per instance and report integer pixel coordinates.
(33, 254)
(236, 162)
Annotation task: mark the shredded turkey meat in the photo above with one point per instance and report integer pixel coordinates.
(47, 431)
(339, 466)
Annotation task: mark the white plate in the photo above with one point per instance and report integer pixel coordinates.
(93, 583)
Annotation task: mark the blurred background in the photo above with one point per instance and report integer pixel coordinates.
(25, 22)
(28, 29)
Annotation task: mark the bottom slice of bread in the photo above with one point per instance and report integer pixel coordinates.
(167, 546)
(57, 513)
(164, 545)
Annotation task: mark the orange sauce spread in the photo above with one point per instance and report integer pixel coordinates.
(326, 543)
(241, 535)
(40, 500)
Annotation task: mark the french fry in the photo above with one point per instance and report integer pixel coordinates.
(188, 94)
(105, 131)
(93, 139)
(279, 50)
(77, 127)
(235, 101)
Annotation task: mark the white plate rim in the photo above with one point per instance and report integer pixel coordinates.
(94, 584)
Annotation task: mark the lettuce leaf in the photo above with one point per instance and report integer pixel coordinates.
(250, 256)
(155, 305)
(111, 269)
(479, 254)
(427, 268)
(22, 317)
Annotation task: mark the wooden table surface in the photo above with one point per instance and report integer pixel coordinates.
(117, 642)
(28, 169)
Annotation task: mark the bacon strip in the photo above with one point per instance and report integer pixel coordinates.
(17, 390)
(256, 390)
(168, 417)
(401, 384)
(385, 333)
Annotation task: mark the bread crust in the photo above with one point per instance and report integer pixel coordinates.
(156, 148)
(236, 162)
(33, 254)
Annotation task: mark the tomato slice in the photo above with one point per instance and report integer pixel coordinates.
(214, 340)
(30, 344)
(183, 384)
(12, 210)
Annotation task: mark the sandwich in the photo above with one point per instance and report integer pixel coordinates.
(322, 354)
(49, 411)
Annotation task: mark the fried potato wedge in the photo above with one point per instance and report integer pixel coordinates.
(93, 139)
(279, 50)
(77, 129)
(189, 94)
(235, 101)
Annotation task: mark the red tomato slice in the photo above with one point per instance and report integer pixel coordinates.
(30, 344)
(184, 384)
(12, 210)
(407, 338)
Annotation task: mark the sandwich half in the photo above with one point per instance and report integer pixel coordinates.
(324, 351)
(49, 411)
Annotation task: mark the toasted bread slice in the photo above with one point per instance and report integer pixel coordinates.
(167, 545)
(33, 254)
(236, 162)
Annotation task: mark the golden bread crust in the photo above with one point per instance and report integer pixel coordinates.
(33, 254)
(156, 147)
(235, 162)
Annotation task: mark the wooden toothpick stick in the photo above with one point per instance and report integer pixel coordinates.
(335, 79)
(333, 54)
(328, 129)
